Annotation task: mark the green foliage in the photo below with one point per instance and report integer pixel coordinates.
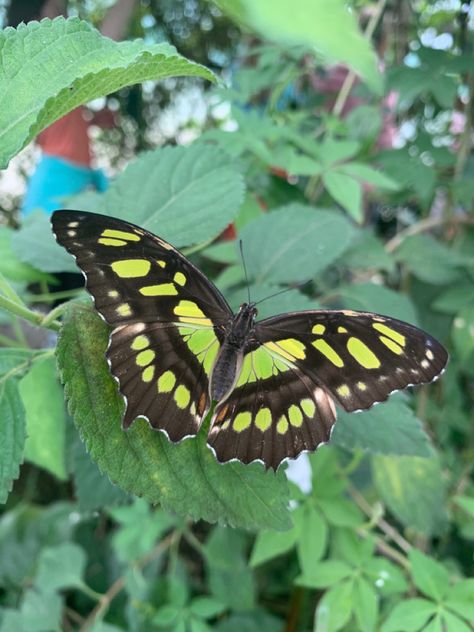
(106, 530)
(70, 63)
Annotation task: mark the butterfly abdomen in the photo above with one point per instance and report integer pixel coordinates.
(226, 371)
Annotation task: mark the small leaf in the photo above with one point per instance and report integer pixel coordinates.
(365, 605)
(271, 544)
(409, 616)
(367, 252)
(460, 598)
(45, 418)
(206, 607)
(313, 537)
(11, 266)
(60, 567)
(166, 616)
(69, 63)
(185, 478)
(413, 489)
(369, 174)
(346, 191)
(429, 576)
(12, 436)
(463, 333)
(230, 579)
(335, 608)
(452, 623)
(294, 243)
(324, 574)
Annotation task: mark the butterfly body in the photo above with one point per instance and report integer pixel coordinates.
(176, 348)
(239, 335)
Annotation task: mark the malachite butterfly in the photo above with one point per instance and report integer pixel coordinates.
(176, 347)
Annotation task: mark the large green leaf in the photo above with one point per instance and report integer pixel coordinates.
(12, 435)
(294, 243)
(45, 421)
(431, 261)
(327, 25)
(371, 297)
(184, 194)
(413, 490)
(389, 428)
(51, 67)
(185, 478)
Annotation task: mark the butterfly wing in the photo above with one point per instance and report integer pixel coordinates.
(303, 362)
(167, 318)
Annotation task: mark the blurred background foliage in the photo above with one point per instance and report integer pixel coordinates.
(376, 191)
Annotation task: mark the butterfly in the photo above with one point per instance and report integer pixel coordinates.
(177, 350)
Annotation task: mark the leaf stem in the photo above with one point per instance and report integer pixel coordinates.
(36, 318)
(381, 523)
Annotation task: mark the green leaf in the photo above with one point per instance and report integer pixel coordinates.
(185, 478)
(230, 579)
(94, 490)
(70, 63)
(365, 605)
(15, 362)
(140, 528)
(387, 578)
(60, 567)
(466, 503)
(166, 616)
(327, 25)
(390, 428)
(45, 420)
(370, 297)
(451, 623)
(324, 574)
(10, 265)
(409, 616)
(36, 244)
(346, 191)
(39, 612)
(429, 260)
(430, 577)
(313, 537)
(367, 252)
(184, 194)
(463, 333)
(294, 243)
(271, 544)
(335, 608)
(369, 174)
(460, 598)
(12, 436)
(206, 607)
(340, 512)
(455, 298)
(413, 489)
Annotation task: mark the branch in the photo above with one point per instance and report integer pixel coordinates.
(425, 225)
(119, 583)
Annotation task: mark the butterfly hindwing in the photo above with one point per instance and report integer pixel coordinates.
(359, 358)
(271, 418)
(166, 318)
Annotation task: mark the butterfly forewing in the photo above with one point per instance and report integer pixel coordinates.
(166, 318)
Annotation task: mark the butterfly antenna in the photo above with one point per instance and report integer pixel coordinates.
(286, 289)
(245, 268)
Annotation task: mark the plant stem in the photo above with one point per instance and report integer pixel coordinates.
(425, 225)
(119, 583)
(381, 523)
(23, 312)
